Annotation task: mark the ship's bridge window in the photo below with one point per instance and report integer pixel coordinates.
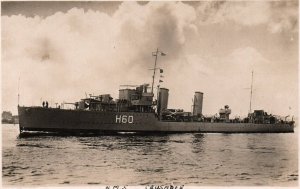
(134, 97)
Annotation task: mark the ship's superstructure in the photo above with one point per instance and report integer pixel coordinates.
(137, 99)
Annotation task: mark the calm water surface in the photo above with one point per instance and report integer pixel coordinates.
(127, 159)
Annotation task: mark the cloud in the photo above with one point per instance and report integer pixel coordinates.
(278, 16)
(64, 55)
(246, 59)
(284, 17)
(163, 25)
(234, 78)
(245, 13)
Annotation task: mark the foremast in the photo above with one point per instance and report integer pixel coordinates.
(156, 53)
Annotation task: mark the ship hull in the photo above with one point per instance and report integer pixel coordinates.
(80, 121)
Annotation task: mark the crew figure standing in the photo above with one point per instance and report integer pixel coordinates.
(46, 104)
(43, 104)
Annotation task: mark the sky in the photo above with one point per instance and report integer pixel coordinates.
(64, 50)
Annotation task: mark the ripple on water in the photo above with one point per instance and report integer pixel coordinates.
(189, 159)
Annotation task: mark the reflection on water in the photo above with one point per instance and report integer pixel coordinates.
(130, 159)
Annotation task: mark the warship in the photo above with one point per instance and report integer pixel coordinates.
(136, 110)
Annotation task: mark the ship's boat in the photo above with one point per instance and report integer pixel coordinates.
(136, 110)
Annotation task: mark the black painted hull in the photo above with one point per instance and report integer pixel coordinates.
(79, 121)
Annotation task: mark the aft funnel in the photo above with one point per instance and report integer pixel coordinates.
(198, 102)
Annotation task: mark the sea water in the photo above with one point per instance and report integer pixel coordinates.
(129, 159)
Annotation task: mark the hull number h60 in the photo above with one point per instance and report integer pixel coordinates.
(124, 119)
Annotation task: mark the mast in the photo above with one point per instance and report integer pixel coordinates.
(251, 92)
(154, 69)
